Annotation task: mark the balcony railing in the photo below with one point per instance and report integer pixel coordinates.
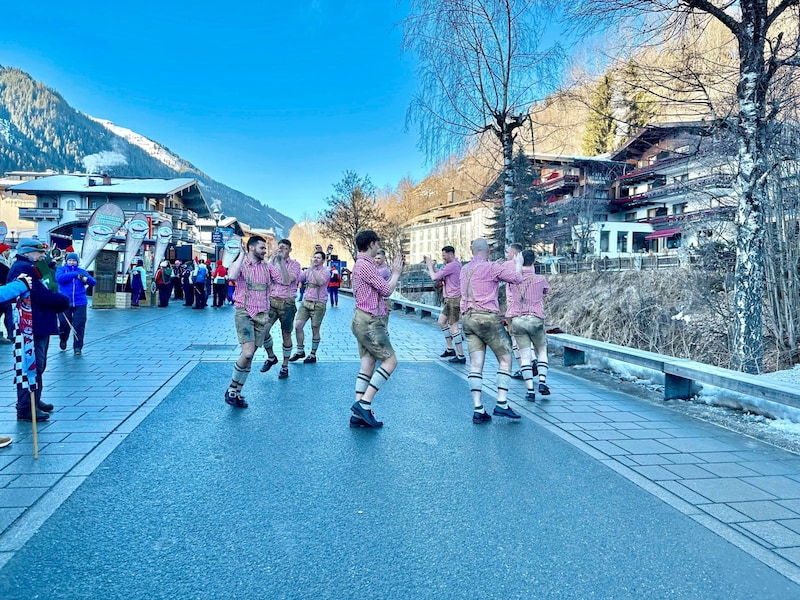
(40, 214)
(681, 187)
(185, 215)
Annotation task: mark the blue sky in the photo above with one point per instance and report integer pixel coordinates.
(275, 99)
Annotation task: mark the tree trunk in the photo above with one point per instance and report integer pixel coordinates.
(750, 187)
(507, 140)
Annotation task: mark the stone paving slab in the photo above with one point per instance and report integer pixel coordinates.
(736, 470)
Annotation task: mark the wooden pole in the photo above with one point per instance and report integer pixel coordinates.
(33, 422)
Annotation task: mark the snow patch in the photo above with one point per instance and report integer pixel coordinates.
(154, 149)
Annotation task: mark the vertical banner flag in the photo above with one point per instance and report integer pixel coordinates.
(3, 231)
(163, 239)
(137, 230)
(105, 221)
(24, 356)
(230, 250)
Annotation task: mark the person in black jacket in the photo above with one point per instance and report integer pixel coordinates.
(45, 307)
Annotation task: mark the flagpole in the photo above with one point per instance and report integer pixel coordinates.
(33, 422)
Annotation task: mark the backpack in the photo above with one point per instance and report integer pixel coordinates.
(334, 277)
(201, 274)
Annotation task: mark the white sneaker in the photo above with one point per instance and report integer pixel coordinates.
(4, 441)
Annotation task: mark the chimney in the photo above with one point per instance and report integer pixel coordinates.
(451, 195)
(106, 179)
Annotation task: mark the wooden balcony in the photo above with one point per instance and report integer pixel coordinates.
(40, 214)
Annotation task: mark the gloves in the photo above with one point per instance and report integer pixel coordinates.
(26, 279)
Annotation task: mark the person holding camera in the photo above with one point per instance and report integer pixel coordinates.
(72, 282)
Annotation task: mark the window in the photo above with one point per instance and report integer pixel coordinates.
(71, 205)
(631, 216)
(679, 209)
(622, 241)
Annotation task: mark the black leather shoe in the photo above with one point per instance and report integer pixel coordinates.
(297, 356)
(44, 406)
(40, 416)
(63, 344)
(447, 353)
(268, 364)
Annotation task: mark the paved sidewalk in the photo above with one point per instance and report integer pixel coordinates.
(744, 491)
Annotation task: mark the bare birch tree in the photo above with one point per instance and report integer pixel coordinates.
(480, 70)
(765, 40)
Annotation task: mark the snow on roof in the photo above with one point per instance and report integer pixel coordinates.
(118, 187)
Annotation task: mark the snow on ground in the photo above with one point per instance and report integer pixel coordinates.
(778, 425)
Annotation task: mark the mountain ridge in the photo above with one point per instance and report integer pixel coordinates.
(39, 130)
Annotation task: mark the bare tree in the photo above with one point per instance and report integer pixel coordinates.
(765, 40)
(480, 71)
(352, 208)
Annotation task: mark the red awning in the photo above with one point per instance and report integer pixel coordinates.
(663, 233)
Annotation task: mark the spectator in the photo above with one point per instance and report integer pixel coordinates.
(164, 283)
(333, 287)
(176, 280)
(72, 282)
(199, 278)
(186, 284)
(5, 307)
(45, 306)
(138, 278)
(220, 280)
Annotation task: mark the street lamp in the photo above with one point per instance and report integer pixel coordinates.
(217, 235)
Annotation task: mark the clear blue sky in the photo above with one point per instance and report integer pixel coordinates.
(275, 99)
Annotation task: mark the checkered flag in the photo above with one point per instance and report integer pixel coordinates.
(24, 355)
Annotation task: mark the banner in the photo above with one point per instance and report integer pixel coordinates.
(24, 355)
(163, 240)
(3, 231)
(105, 221)
(137, 230)
(230, 251)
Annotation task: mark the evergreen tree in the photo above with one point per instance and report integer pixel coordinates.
(524, 222)
(601, 128)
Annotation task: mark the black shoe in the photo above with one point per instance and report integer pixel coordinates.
(268, 364)
(310, 360)
(46, 407)
(235, 399)
(40, 416)
(530, 396)
(297, 356)
(284, 373)
(358, 422)
(481, 417)
(366, 415)
(458, 360)
(517, 375)
(506, 411)
(544, 390)
(63, 344)
(447, 353)
(77, 352)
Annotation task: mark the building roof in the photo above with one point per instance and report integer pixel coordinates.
(185, 188)
(651, 134)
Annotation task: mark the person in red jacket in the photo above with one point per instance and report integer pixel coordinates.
(333, 286)
(219, 279)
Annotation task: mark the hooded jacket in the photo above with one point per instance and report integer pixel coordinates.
(70, 284)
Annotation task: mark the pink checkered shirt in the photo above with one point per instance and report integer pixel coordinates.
(254, 301)
(369, 288)
(479, 282)
(525, 298)
(289, 290)
(451, 273)
(317, 294)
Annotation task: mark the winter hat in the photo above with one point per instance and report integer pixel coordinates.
(177, 263)
(4, 247)
(219, 263)
(26, 245)
(72, 256)
(140, 262)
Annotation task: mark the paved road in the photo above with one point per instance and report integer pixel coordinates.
(148, 485)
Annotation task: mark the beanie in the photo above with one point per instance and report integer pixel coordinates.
(26, 245)
(4, 247)
(72, 256)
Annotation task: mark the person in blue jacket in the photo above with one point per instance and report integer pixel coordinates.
(72, 282)
(45, 305)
